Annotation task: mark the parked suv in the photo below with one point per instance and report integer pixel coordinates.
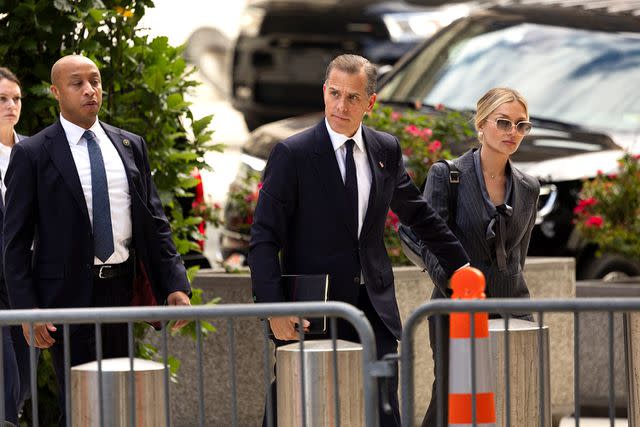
(284, 47)
(577, 67)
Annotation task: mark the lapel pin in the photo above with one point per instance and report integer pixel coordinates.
(381, 164)
(126, 142)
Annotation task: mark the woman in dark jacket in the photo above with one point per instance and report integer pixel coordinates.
(495, 213)
(14, 347)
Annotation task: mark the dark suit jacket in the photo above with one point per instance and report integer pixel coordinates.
(302, 211)
(45, 205)
(4, 298)
(471, 223)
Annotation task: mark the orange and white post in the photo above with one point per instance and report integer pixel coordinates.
(469, 283)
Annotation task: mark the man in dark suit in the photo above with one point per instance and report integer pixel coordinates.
(81, 193)
(323, 204)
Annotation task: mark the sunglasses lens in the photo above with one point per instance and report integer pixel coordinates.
(503, 125)
(524, 128)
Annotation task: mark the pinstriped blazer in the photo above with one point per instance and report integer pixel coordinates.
(471, 223)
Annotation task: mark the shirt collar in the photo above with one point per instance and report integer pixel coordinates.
(15, 137)
(338, 140)
(74, 132)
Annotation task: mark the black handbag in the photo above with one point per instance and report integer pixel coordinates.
(412, 246)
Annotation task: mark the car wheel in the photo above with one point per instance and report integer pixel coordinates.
(609, 268)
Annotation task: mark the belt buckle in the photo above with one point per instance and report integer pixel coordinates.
(103, 268)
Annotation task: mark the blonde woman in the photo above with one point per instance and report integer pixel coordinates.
(495, 213)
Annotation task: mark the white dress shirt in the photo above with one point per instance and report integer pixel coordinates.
(119, 196)
(363, 171)
(5, 155)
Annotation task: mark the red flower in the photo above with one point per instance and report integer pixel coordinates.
(412, 130)
(217, 206)
(435, 146)
(439, 107)
(584, 204)
(408, 151)
(612, 176)
(260, 186)
(392, 220)
(636, 156)
(594, 221)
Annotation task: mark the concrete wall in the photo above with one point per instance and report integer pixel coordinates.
(546, 277)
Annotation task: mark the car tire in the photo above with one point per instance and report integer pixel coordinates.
(609, 268)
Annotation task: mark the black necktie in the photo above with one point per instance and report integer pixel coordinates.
(102, 232)
(351, 182)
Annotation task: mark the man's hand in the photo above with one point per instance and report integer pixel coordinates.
(284, 328)
(41, 336)
(178, 298)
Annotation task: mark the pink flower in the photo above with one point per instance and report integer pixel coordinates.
(599, 172)
(412, 130)
(408, 151)
(636, 156)
(395, 116)
(427, 132)
(435, 146)
(594, 221)
(612, 176)
(259, 186)
(439, 107)
(392, 220)
(217, 206)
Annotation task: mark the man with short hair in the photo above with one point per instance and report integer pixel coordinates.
(81, 192)
(323, 205)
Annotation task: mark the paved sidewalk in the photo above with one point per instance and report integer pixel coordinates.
(593, 422)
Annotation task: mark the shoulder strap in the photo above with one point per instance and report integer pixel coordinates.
(454, 180)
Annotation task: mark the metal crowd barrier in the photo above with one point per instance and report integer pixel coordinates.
(370, 366)
(507, 308)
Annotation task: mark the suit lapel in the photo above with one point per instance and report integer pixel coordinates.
(124, 148)
(58, 148)
(473, 202)
(326, 166)
(517, 225)
(377, 159)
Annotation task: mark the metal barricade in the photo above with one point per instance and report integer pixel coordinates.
(507, 308)
(229, 313)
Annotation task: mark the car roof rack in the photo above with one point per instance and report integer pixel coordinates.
(617, 7)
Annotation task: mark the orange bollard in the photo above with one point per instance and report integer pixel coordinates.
(469, 283)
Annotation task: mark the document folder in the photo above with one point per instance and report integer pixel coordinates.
(308, 288)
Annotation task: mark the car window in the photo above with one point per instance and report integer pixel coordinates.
(575, 76)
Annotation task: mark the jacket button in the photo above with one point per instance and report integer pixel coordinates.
(356, 280)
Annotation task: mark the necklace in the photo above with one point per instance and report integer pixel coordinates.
(492, 175)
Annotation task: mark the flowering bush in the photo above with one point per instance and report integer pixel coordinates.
(608, 211)
(424, 140)
(242, 201)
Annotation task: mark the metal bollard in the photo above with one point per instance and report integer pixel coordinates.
(632, 349)
(320, 396)
(524, 373)
(150, 399)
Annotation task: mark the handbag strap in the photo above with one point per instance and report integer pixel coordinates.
(454, 180)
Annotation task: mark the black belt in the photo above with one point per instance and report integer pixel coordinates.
(112, 271)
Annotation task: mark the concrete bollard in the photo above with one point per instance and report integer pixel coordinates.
(320, 390)
(524, 372)
(150, 399)
(632, 350)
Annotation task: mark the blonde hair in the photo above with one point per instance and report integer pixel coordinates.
(493, 99)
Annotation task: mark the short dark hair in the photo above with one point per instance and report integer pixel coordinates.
(5, 73)
(352, 64)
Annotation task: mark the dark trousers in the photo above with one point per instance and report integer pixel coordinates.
(17, 371)
(82, 340)
(386, 343)
(440, 373)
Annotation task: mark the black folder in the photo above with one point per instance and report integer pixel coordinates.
(308, 288)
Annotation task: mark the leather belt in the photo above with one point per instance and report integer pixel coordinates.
(112, 271)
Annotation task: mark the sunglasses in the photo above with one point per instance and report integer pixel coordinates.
(505, 125)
